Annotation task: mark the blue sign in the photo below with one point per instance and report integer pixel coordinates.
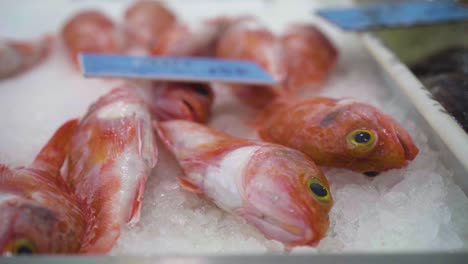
(382, 15)
(189, 69)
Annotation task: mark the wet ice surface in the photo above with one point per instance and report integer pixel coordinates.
(416, 208)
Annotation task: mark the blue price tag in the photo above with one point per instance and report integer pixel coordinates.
(174, 69)
(399, 14)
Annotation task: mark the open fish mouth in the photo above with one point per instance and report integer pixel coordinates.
(288, 234)
(409, 149)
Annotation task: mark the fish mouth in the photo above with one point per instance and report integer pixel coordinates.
(288, 234)
(409, 149)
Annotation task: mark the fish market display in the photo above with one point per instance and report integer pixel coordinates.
(93, 32)
(19, 56)
(274, 188)
(216, 189)
(173, 100)
(111, 155)
(339, 133)
(39, 213)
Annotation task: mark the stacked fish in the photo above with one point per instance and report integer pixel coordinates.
(88, 181)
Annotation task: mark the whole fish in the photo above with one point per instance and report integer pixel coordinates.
(38, 212)
(91, 31)
(19, 56)
(276, 189)
(173, 100)
(111, 155)
(339, 133)
(247, 39)
(147, 21)
(310, 56)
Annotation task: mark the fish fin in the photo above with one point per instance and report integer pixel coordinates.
(134, 216)
(6, 174)
(188, 185)
(53, 154)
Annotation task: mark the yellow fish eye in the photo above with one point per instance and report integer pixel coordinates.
(21, 246)
(318, 190)
(362, 138)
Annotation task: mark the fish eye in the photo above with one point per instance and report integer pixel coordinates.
(362, 138)
(318, 190)
(21, 247)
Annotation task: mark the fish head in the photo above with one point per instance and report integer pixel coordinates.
(27, 228)
(364, 139)
(286, 197)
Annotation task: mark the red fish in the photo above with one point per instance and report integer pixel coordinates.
(146, 22)
(249, 40)
(310, 56)
(182, 40)
(39, 213)
(276, 189)
(19, 56)
(187, 101)
(111, 155)
(91, 31)
(338, 133)
(156, 29)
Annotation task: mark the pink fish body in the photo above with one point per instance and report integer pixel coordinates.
(146, 22)
(310, 57)
(111, 155)
(278, 190)
(93, 32)
(38, 212)
(19, 56)
(247, 39)
(339, 133)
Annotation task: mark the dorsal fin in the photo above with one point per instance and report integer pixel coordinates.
(53, 154)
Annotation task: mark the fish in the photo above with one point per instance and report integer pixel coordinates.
(146, 22)
(311, 57)
(112, 152)
(276, 189)
(247, 39)
(39, 213)
(178, 100)
(155, 28)
(91, 31)
(18, 56)
(183, 40)
(338, 133)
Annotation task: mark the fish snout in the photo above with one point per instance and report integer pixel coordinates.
(290, 232)
(409, 148)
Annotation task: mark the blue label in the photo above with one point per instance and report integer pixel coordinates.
(174, 69)
(395, 14)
